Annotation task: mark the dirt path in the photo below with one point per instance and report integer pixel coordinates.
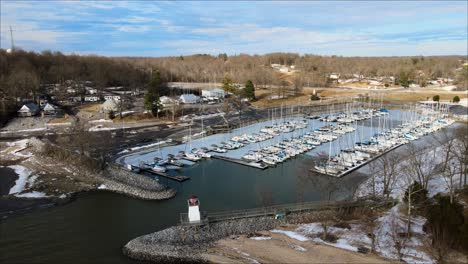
(282, 249)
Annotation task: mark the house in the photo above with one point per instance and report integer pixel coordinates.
(216, 92)
(91, 90)
(92, 98)
(50, 109)
(167, 101)
(188, 99)
(29, 109)
(110, 105)
(71, 90)
(334, 77)
(112, 97)
(76, 99)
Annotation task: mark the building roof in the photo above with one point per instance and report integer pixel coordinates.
(49, 107)
(188, 97)
(29, 107)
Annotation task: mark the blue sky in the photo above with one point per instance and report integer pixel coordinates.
(148, 28)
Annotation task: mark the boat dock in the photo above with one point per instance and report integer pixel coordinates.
(343, 173)
(178, 178)
(241, 162)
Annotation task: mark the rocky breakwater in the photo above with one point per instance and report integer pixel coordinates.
(185, 243)
(125, 182)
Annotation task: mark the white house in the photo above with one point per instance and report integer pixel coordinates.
(113, 97)
(167, 101)
(71, 90)
(188, 99)
(91, 98)
(91, 90)
(50, 109)
(334, 76)
(29, 109)
(216, 92)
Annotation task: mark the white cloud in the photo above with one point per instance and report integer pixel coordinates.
(135, 28)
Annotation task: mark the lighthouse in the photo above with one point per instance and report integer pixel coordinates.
(193, 209)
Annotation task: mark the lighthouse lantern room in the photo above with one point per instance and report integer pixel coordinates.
(193, 209)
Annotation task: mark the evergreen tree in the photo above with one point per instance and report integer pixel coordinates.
(228, 85)
(456, 99)
(249, 90)
(151, 100)
(436, 98)
(403, 79)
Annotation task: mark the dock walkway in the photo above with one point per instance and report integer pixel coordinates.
(241, 162)
(178, 178)
(283, 209)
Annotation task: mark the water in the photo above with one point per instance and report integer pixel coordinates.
(94, 228)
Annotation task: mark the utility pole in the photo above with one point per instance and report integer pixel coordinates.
(11, 37)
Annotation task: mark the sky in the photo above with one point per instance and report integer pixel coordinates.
(169, 28)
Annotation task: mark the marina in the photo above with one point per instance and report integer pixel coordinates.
(351, 139)
(382, 142)
(261, 145)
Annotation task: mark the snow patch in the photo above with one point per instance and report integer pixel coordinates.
(298, 248)
(291, 234)
(23, 175)
(101, 121)
(102, 187)
(144, 146)
(33, 194)
(260, 238)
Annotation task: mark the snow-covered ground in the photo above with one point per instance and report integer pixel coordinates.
(143, 146)
(357, 236)
(23, 178)
(436, 184)
(15, 148)
(33, 194)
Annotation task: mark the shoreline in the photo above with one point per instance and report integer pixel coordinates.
(189, 243)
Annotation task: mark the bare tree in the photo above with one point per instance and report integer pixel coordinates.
(388, 166)
(398, 237)
(421, 165)
(460, 153)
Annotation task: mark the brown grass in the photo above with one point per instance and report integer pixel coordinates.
(135, 117)
(64, 119)
(415, 97)
(90, 108)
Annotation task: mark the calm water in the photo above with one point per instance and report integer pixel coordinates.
(96, 226)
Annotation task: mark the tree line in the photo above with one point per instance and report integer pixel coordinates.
(312, 70)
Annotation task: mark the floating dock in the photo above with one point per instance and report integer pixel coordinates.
(343, 173)
(241, 162)
(178, 178)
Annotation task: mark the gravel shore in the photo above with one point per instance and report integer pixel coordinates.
(187, 243)
(139, 186)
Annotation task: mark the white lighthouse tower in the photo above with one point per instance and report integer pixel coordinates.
(193, 209)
